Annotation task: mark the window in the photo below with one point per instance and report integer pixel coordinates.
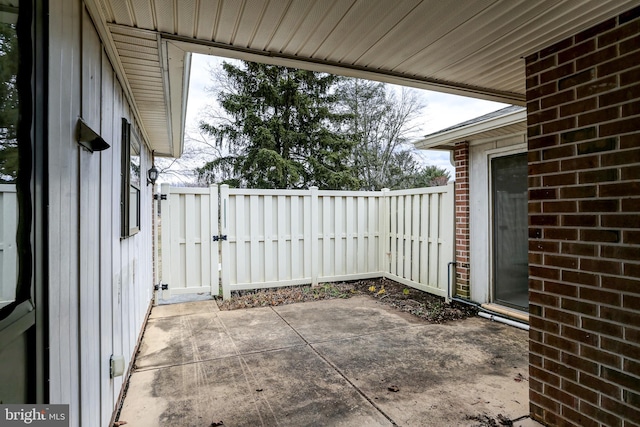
(130, 189)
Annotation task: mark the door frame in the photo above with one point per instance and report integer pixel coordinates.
(481, 210)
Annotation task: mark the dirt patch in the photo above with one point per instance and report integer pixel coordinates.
(485, 420)
(418, 303)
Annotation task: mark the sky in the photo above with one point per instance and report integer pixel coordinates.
(442, 110)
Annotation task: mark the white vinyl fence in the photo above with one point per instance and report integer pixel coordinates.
(8, 250)
(271, 238)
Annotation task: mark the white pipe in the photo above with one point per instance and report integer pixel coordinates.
(503, 320)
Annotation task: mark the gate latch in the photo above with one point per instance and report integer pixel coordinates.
(219, 237)
(164, 286)
(161, 196)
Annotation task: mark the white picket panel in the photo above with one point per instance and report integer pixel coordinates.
(421, 236)
(8, 249)
(190, 258)
(276, 238)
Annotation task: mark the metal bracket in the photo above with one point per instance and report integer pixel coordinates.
(163, 286)
(162, 196)
(219, 237)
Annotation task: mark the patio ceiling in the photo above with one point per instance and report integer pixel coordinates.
(473, 48)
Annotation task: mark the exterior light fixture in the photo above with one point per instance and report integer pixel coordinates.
(152, 175)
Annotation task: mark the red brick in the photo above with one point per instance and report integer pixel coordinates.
(579, 220)
(576, 419)
(559, 125)
(555, 48)
(534, 207)
(578, 107)
(622, 284)
(599, 175)
(599, 205)
(600, 266)
(621, 378)
(599, 116)
(631, 366)
(601, 357)
(542, 246)
(620, 409)
(620, 127)
(561, 316)
(543, 64)
(621, 252)
(561, 396)
(621, 63)
(538, 92)
(563, 206)
(585, 337)
(630, 205)
(600, 296)
(632, 335)
(542, 116)
(544, 401)
(543, 141)
(599, 385)
(543, 272)
(625, 31)
(568, 150)
(631, 269)
(630, 77)
(629, 15)
(544, 350)
(577, 390)
(630, 45)
(543, 325)
(621, 157)
(597, 57)
(543, 194)
(610, 236)
(631, 237)
(596, 87)
(560, 288)
(578, 163)
(631, 109)
(632, 302)
(604, 417)
(542, 168)
(556, 73)
(544, 220)
(602, 327)
(577, 306)
(561, 343)
(543, 298)
(621, 221)
(627, 317)
(579, 249)
(578, 192)
(579, 363)
(596, 30)
(577, 50)
(560, 179)
(580, 277)
(625, 94)
(533, 131)
(560, 234)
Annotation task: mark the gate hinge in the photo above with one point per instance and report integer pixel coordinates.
(162, 196)
(163, 286)
(219, 237)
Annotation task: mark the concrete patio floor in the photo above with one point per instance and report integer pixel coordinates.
(350, 362)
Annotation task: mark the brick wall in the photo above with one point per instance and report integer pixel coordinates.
(461, 163)
(583, 102)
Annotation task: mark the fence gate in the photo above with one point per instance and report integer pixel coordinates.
(251, 239)
(188, 224)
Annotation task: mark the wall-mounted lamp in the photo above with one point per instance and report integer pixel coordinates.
(89, 138)
(152, 175)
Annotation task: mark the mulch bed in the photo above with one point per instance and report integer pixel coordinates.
(421, 304)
